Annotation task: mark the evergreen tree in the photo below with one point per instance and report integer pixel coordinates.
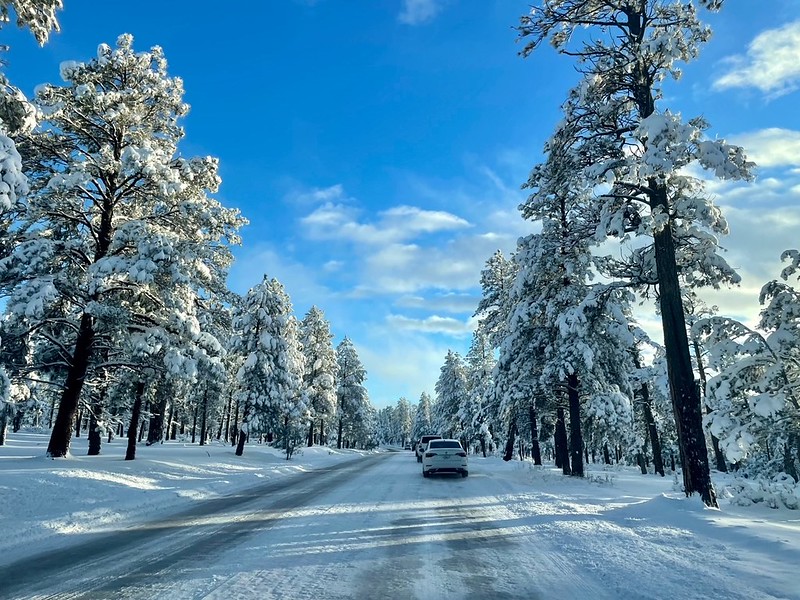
(422, 417)
(320, 373)
(754, 394)
(623, 140)
(480, 363)
(353, 408)
(117, 225)
(451, 393)
(404, 420)
(270, 378)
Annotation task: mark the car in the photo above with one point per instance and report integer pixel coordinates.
(422, 444)
(407, 446)
(444, 456)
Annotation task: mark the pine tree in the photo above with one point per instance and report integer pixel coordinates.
(17, 117)
(353, 410)
(480, 363)
(270, 379)
(422, 417)
(624, 141)
(320, 373)
(117, 225)
(754, 394)
(451, 392)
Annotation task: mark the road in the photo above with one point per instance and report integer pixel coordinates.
(367, 528)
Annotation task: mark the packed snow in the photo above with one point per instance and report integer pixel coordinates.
(614, 534)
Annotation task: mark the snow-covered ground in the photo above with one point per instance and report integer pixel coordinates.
(635, 535)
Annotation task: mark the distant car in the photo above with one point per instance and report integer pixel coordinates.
(444, 456)
(408, 446)
(423, 442)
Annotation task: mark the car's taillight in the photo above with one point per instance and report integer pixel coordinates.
(464, 454)
(430, 454)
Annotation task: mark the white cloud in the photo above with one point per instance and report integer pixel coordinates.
(770, 65)
(418, 12)
(301, 281)
(333, 221)
(773, 147)
(410, 268)
(448, 302)
(317, 195)
(432, 324)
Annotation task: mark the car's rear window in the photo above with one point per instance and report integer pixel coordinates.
(443, 444)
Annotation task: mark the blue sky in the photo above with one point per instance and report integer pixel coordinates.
(378, 146)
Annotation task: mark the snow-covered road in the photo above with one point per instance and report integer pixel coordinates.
(370, 526)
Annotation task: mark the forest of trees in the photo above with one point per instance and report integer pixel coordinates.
(117, 319)
(559, 367)
(114, 257)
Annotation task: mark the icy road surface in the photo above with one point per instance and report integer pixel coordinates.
(373, 527)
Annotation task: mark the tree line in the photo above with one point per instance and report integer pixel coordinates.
(113, 261)
(558, 364)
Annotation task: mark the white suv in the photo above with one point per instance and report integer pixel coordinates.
(444, 456)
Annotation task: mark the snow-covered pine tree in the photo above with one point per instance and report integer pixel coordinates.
(16, 117)
(270, 379)
(351, 395)
(38, 15)
(422, 417)
(404, 420)
(320, 373)
(497, 278)
(115, 217)
(626, 142)
(480, 423)
(451, 393)
(696, 309)
(755, 391)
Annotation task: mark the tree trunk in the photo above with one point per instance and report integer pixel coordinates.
(194, 422)
(168, 424)
(685, 399)
(575, 434)
(144, 421)
(155, 431)
(204, 420)
(562, 449)
(5, 409)
(235, 429)
(95, 439)
(311, 434)
(791, 457)
(535, 448)
(52, 411)
(512, 432)
(130, 453)
(241, 436)
(652, 431)
(641, 462)
(339, 435)
(60, 437)
(225, 421)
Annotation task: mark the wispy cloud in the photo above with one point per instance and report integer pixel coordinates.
(449, 302)
(771, 63)
(773, 147)
(419, 12)
(432, 324)
(336, 221)
(316, 196)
